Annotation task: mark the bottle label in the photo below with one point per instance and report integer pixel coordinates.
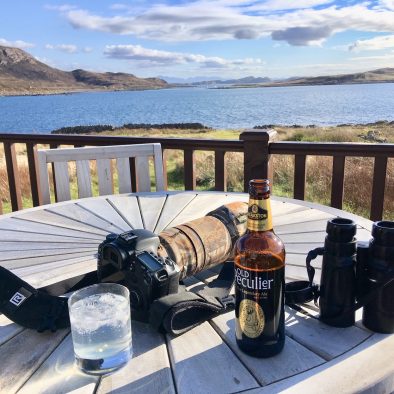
(259, 301)
(251, 318)
(259, 215)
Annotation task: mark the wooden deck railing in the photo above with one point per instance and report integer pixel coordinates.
(258, 147)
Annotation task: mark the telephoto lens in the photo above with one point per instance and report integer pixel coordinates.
(378, 313)
(338, 281)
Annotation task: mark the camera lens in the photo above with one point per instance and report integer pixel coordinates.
(341, 230)
(383, 232)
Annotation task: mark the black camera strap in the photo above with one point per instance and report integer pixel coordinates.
(180, 312)
(29, 307)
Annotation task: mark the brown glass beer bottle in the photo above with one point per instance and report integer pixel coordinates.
(259, 279)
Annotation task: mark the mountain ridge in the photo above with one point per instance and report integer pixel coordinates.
(22, 74)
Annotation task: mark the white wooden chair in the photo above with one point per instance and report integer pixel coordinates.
(102, 155)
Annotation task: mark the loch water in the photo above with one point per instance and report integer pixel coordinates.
(217, 108)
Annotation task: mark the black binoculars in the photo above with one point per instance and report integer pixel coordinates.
(353, 275)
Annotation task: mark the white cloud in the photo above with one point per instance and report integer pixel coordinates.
(154, 57)
(68, 48)
(61, 8)
(17, 44)
(296, 22)
(373, 44)
(386, 4)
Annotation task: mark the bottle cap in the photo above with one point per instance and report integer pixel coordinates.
(341, 230)
(383, 232)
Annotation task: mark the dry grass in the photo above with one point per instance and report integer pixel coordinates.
(358, 171)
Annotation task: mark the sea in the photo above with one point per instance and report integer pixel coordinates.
(217, 108)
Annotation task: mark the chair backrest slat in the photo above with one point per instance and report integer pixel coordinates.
(103, 156)
(123, 165)
(84, 179)
(158, 163)
(104, 174)
(62, 181)
(142, 170)
(43, 177)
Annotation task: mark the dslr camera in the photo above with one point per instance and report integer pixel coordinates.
(131, 259)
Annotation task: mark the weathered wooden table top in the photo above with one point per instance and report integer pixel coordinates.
(47, 244)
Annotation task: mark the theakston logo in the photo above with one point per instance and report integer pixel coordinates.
(257, 213)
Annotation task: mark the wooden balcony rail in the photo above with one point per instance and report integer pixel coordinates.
(258, 147)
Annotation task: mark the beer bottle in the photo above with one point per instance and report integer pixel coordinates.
(259, 279)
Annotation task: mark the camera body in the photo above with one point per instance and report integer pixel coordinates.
(131, 259)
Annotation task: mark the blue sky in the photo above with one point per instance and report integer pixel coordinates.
(221, 38)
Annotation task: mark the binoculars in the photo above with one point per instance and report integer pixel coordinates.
(356, 274)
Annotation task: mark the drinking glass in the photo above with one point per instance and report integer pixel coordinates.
(101, 327)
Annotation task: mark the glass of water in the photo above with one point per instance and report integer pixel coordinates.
(101, 327)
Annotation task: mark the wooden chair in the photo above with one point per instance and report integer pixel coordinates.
(102, 155)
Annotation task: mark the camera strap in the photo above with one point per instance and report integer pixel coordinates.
(30, 307)
(180, 312)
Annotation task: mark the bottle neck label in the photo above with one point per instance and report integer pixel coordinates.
(259, 215)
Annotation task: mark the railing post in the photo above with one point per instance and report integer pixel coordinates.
(33, 173)
(14, 183)
(189, 169)
(257, 158)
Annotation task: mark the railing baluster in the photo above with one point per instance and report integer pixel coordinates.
(220, 171)
(299, 177)
(31, 149)
(133, 174)
(338, 175)
(189, 169)
(378, 187)
(13, 176)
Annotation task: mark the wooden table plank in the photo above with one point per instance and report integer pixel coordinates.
(203, 363)
(9, 246)
(27, 230)
(36, 253)
(30, 261)
(326, 341)
(8, 329)
(78, 213)
(301, 217)
(367, 368)
(198, 207)
(23, 354)
(292, 360)
(127, 206)
(174, 204)
(150, 207)
(52, 219)
(45, 278)
(58, 374)
(149, 370)
(101, 208)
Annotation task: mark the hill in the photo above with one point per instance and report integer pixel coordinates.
(22, 74)
(375, 76)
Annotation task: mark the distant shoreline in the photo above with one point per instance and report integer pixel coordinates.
(69, 92)
(183, 86)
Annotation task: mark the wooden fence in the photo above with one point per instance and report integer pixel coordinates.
(258, 147)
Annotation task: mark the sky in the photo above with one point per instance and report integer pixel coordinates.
(208, 38)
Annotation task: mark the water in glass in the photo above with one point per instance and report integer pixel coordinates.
(101, 329)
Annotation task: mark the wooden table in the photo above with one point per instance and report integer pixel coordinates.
(50, 243)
